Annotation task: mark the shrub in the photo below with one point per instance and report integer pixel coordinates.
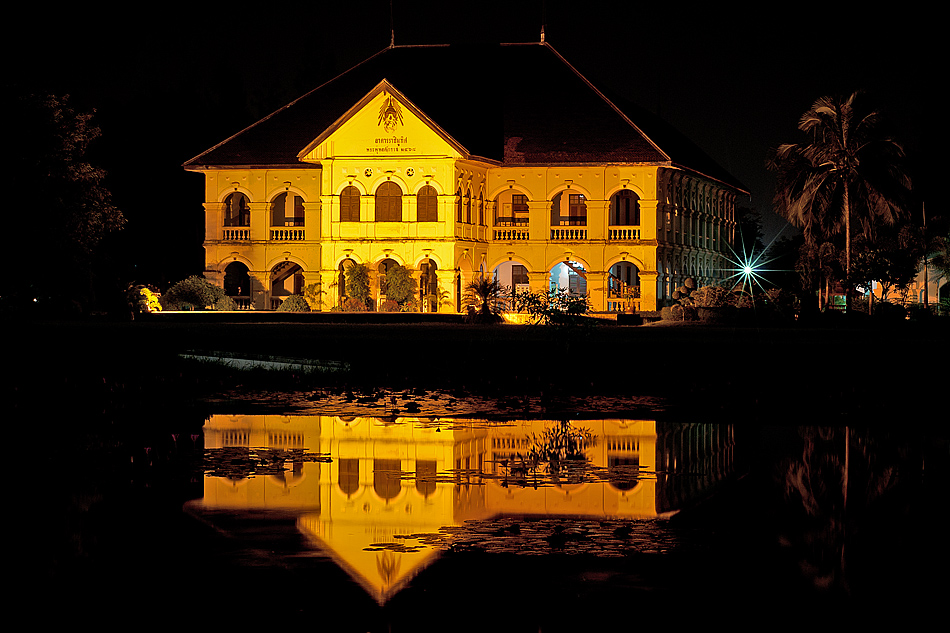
(294, 303)
(196, 293)
(352, 304)
(712, 297)
(389, 306)
(314, 296)
(400, 286)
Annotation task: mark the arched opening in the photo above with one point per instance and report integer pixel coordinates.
(425, 477)
(623, 287)
(237, 284)
(237, 210)
(286, 279)
(514, 277)
(511, 209)
(387, 481)
(569, 208)
(570, 276)
(624, 208)
(349, 476)
(286, 210)
(381, 270)
(341, 280)
(389, 202)
(350, 204)
(428, 286)
(623, 471)
(427, 204)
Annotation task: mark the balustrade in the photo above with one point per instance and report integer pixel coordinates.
(623, 234)
(569, 235)
(287, 235)
(511, 235)
(235, 235)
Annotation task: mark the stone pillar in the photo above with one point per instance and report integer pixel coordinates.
(447, 290)
(260, 221)
(597, 212)
(649, 220)
(648, 290)
(315, 277)
(260, 291)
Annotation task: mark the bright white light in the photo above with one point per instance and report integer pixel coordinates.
(747, 268)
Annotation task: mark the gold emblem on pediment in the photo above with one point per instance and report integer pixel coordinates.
(390, 114)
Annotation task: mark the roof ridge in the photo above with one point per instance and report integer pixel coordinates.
(605, 99)
(282, 108)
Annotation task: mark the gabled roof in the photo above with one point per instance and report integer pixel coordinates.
(510, 104)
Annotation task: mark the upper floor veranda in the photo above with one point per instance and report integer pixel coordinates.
(468, 201)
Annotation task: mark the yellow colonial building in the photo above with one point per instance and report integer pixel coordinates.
(455, 161)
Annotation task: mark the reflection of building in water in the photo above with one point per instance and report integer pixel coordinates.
(389, 480)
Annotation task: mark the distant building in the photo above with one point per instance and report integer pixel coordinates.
(457, 161)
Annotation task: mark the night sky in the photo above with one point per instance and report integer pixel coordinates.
(170, 83)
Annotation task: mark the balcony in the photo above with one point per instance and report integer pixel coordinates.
(287, 235)
(568, 235)
(242, 234)
(623, 233)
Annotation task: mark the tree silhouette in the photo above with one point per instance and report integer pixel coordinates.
(847, 169)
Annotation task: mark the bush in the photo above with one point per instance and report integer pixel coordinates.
(389, 306)
(294, 303)
(196, 293)
(352, 304)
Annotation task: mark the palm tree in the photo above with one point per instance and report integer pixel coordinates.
(486, 297)
(847, 169)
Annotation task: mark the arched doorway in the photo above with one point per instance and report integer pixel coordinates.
(570, 276)
(381, 269)
(286, 279)
(428, 286)
(237, 284)
(623, 287)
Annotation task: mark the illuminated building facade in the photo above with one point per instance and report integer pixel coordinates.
(457, 161)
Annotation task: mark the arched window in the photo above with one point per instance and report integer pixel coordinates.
(237, 210)
(350, 204)
(286, 210)
(458, 205)
(625, 208)
(468, 207)
(389, 202)
(481, 209)
(427, 204)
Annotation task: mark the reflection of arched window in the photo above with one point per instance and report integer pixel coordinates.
(425, 477)
(427, 204)
(350, 204)
(237, 210)
(349, 476)
(286, 210)
(386, 477)
(624, 208)
(389, 202)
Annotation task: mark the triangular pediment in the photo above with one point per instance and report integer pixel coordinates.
(383, 124)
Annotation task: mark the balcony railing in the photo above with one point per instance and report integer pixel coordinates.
(235, 235)
(623, 234)
(510, 235)
(568, 235)
(287, 235)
